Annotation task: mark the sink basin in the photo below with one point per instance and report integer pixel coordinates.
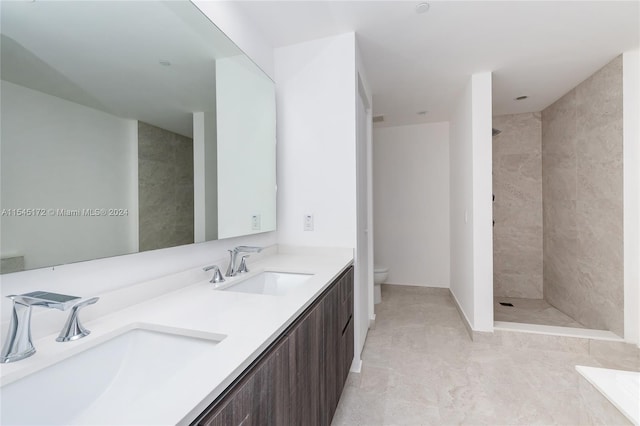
(110, 383)
(271, 283)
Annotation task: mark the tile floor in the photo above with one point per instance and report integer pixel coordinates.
(531, 311)
(421, 368)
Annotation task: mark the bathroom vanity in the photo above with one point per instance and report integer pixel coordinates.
(199, 354)
(298, 379)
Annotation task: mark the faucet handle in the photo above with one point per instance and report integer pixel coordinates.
(73, 329)
(243, 265)
(45, 299)
(247, 249)
(231, 269)
(217, 274)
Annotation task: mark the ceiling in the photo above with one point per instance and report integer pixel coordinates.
(421, 62)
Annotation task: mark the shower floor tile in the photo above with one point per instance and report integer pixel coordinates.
(531, 311)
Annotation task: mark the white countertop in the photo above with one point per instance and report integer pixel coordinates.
(250, 322)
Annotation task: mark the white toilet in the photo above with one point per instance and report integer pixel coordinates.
(380, 274)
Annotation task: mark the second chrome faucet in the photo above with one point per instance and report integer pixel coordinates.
(233, 270)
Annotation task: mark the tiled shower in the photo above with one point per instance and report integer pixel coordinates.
(557, 182)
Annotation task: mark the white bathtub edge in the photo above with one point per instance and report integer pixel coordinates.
(604, 380)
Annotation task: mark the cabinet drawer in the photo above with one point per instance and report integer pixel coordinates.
(345, 312)
(345, 354)
(345, 309)
(346, 285)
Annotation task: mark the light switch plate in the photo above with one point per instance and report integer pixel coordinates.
(255, 222)
(308, 222)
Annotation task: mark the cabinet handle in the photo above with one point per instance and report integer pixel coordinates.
(347, 324)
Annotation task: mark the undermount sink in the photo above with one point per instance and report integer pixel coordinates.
(109, 383)
(271, 283)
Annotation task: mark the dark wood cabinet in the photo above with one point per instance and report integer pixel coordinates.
(345, 347)
(331, 388)
(298, 380)
(261, 397)
(337, 308)
(305, 373)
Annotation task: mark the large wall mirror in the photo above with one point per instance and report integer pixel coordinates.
(127, 126)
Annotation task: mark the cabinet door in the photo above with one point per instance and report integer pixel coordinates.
(345, 286)
(332, 357)
(337, 308)
(221, 416)
(346, 356)
(306, 366)
(261, 398)
(345, 336)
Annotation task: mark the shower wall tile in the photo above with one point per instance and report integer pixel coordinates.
(560, 267)
(558, 127)
(582, 201)
(599, 222)
(599, 98)
(165, 188)
(560, 218)
(517, 210)
(600, 144)
(559, 182)
(599, 181)
(11, 264)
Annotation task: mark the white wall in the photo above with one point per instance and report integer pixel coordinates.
(461, 203)
(363, 279)
(317, 97)
(482, 202)
(205, 179)
(470, 203)
(631, 158)
(231, 21)
(411, 203)
(49, 164)
(246, 141)
(316, 89)
(95, 277)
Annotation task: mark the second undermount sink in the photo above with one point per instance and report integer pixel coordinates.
(271, 283)
(114, 382)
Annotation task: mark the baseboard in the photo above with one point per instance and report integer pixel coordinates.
(372, 322)
(417, 285)
(464, 318)
(356, 366)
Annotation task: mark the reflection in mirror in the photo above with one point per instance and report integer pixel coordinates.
(165, 188)
(127, 126)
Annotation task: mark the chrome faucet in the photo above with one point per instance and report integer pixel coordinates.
(243, 265)
(232, 271)
(73, 328)
(18, 344)
(217, 275)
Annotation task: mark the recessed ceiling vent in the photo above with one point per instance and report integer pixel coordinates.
(378, 119)
(422, 7)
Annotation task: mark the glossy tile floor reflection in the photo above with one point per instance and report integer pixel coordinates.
(421, 368)
(531, 311)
